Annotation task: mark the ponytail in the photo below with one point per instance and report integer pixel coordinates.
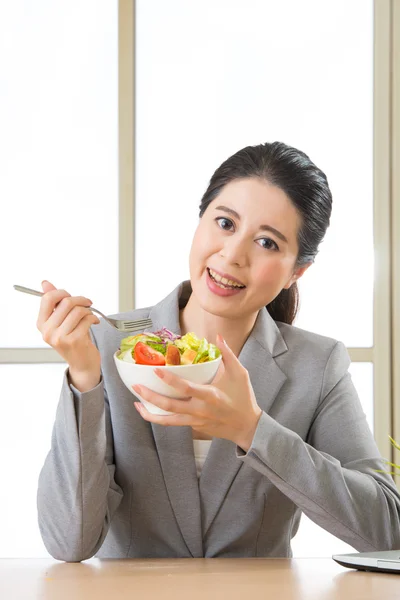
(284, 307)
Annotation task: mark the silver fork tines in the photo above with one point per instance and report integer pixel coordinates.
(120, 324)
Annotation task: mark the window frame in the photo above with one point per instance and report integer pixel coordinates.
(385, 353)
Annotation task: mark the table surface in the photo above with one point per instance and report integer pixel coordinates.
(192, 579)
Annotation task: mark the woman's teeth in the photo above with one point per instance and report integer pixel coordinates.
(223, 282)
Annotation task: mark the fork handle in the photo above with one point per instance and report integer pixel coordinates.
(21, 288)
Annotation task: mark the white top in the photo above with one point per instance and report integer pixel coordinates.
(201, 449)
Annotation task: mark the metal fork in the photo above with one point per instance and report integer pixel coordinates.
(119, 324)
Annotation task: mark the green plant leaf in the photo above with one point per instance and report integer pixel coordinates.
(387, 462)
(392, 464)
(395, 444)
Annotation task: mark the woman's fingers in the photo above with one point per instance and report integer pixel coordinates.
(73, 320)
(64, 322)
(82, 328)
(56, 304)
(219, 374)
(232, 365)
(187, 388)
(47, 286)
(182, 406)
(47, 305)
(233, 376)
(61, 315)
(63, 310)
(166, 420)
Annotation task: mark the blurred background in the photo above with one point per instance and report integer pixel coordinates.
(113, 117)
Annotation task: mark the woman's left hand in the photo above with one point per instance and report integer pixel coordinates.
(227, 408)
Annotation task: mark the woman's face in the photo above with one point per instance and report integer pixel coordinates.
(248, 234)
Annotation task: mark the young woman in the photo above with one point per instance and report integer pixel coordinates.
(282, 423)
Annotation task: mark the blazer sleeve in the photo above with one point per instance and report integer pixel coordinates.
(77, 494)
(331, 477)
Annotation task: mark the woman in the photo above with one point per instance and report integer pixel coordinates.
(285, 428)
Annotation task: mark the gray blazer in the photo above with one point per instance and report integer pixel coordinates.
(117, 486)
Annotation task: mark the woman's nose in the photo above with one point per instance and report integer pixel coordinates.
(234, 251)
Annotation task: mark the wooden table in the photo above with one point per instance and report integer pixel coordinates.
(192, 579)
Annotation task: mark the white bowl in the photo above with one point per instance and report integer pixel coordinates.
(132, 373)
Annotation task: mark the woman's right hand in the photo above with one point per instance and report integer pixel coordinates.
(64, 323)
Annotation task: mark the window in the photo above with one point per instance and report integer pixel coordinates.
(59, 191)
(209, 80)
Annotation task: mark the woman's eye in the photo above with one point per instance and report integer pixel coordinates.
(224, 223)
(269, 244)
(227, 225)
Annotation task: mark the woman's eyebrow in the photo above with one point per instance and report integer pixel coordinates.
(263, 227)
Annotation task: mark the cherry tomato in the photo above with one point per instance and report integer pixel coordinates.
(144, 355)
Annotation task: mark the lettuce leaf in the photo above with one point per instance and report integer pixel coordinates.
(189, 340)
(131, 341)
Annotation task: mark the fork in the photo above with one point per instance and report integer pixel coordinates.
(119, 324)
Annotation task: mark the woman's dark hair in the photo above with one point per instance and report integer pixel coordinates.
(307, 187)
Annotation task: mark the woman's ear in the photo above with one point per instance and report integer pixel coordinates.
(297, 273)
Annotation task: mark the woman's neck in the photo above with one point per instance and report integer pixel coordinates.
(193, 318)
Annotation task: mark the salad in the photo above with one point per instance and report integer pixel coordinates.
(166, 348)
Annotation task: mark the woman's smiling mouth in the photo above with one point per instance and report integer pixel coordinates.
(221, 285)
(225, 279)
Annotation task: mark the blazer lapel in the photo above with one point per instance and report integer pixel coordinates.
(175, 444)
(222, 464)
